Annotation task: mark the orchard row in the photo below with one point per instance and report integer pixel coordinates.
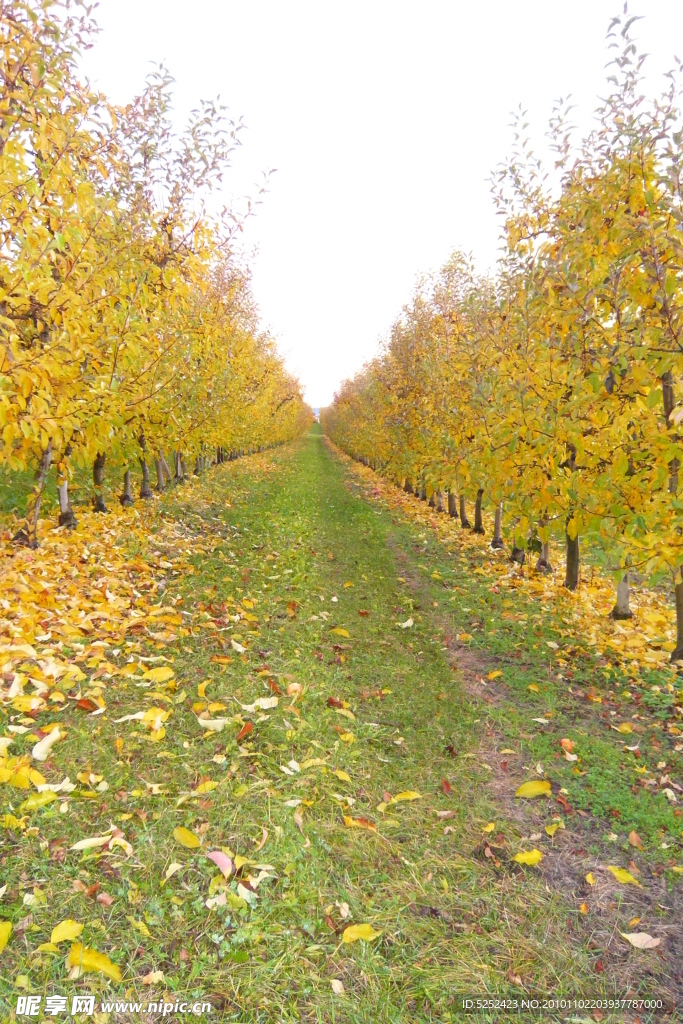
(127, 325)
(553, 390)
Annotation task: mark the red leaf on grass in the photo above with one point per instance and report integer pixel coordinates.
(245, 730)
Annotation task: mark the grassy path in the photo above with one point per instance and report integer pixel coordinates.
(310, 585)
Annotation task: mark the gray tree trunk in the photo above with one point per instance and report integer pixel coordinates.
(127, 493)
(622, 608)
(497, 541)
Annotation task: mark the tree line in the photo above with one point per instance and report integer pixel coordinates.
(552, 388)
(127, 324)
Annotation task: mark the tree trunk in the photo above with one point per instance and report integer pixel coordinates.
(439, 501)
(478, 519)
(543, 563)
(498, 541)
(197, 465)
(165, 468)
(452, 504)
(423, 491)
(183, 467)
(127, 493)
(98, 482)
(669, 402)
(408, 487)
(145, 489)
(432, 500)
(517, 554)
(464, 521)
(622, 608)
(677, 655)
(161, 480)
(571, 580)
(28, 534)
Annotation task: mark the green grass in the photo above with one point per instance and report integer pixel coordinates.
(453, 920)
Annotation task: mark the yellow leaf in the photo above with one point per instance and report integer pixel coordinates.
(205, 787)
(37, 800)
(66, 930)
(186, 838)
(92, 843)
(160, 674)
(344, 776)
(529, 857)
(407, 794)
(495, 674)
(583, 908)
(341, 632)
(346, 713)
(91, 960)
(590, 878)
(490, 827)
(139, 926)
(201, 689)
(537, 787)
(5, 932)
(533, 688)
(624, 727)
(348, 584)
(347, 737)
(624, 876)
(360, 931)
(552, 829)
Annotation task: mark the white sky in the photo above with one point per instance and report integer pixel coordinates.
(384, 119)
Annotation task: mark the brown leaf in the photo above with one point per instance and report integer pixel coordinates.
(105, 899)
(635, 840)
(446, 786)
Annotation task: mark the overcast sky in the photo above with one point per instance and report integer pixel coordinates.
(384, 119)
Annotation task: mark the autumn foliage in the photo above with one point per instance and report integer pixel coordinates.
(127, 326)
(552, 390)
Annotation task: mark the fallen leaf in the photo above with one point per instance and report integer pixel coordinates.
(354, 932)
(42, 749)
(407, 794)
(635, 840)
(66, 930)
(583, 908)
(186, 838)
(340, 631)
(245, 730)
(93, 843)
(159, 675)
(337, 985)
(359, 823)
(407, 624)
(153, 978)
(222, 862)
(5, 932)
(624, 876)
(530, 857)
(490, 827)
(90, 960)
(641, 940)
(534, 788)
